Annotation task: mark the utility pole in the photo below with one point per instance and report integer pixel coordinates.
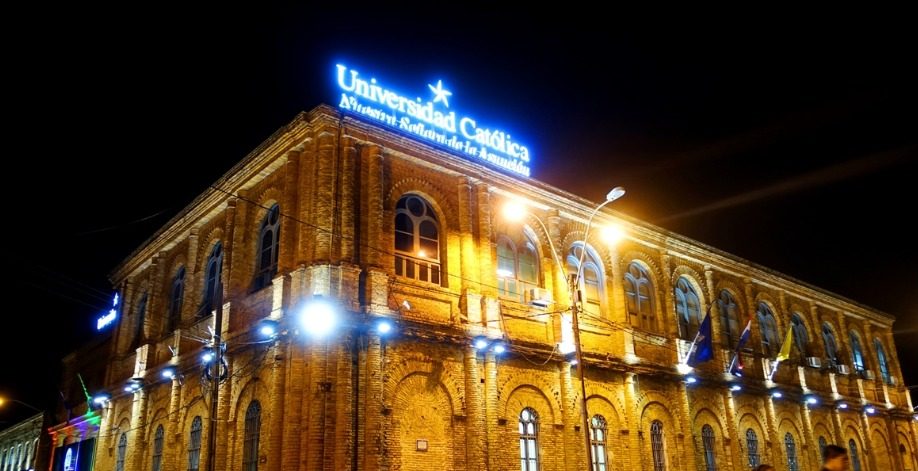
(575, 314)
(215, 380)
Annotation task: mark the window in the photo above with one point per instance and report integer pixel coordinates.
(517, 267)
(769, 329)
(194, 445)
(828, 338)
(822, 445)
(175, 301)
(752, 448)
(639, 294)
(881, 361)
(122, 449)
(529, 436)
(417, 240)
(707, 439)
(853, 456)
(791, 448)
(158, 449)
(212, 279)
(591, 280)
(250, 440)
(598, 442)
(266, 256)
(139, 319)
(729, 320)
(801, 339)
(688, 308)
(857, 353)
(656, 445)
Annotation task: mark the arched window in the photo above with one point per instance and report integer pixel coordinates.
(729, 320)
(853, 456)
(828, 338)
(656, 445)
(591, 281)
(791, 447)
(639, 291)
(175, 300)
(158, 449)
(250, 439)
(517, 267)
(194, 445)
(139, 319)
(212, 275)
(881, 361)
(598, 442)
(688, 309)
(707, 439)
(417, 240)
(752, 448)
(769, 328)
(857, 353)
(801, 339)
(529, 440)
(122, 450)
(822, 445)
(268, 249)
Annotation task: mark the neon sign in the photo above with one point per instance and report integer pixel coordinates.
(108, 318)
(431, 120)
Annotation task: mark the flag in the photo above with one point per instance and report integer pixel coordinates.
(702, 348)
(736, 366)
(784, 354)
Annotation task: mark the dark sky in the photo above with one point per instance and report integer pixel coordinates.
(789, 142)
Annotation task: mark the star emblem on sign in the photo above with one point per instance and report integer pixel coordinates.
(440, 93)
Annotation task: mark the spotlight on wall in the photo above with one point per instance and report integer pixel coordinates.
(169, 372)
(133, 385)
(735, 387)
(812, 399)
(499, 348)
(870, 410)
(384, 327)
(101, 398)
(842, 405)
(683, 369)
(207, 354)
(480, 342)
(318, 317)
(777, 394)
(691, 379)
(267, 328)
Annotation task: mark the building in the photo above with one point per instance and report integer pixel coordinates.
(76, 427)
(337, 209)
(19, 444)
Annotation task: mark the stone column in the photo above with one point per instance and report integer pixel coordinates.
(347, 202)
(669, 319)
(372, 210)
(290, 227)
(136, 443)
(735, 452)
(323, 213)
(295, 391)
(619, 311)
(475, 431)
(488, 275)
(306, 195)
(772, 423)
(571, 416)
(685, 427)
(372, 421)
(631, 444)
(810, 437)
(171, 444)
(493, 432)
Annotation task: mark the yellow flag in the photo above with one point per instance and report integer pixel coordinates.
(784, 354)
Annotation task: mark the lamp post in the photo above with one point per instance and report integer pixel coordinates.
(576, 297)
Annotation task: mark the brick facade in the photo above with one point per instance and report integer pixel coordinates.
(422, 397)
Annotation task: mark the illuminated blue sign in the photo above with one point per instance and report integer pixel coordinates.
(108, 318)
(431, 120)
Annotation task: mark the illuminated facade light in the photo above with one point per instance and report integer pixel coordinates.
(777, 394)
(169, 372)
(499, 348)
(566, 347)
(870, 410)
(812, 400)
(318, 318)
(207, 355)
(691, 380)
(383, 327)
(683, 369)
(514, 211)
(480, 343)
(842, 405)
(735, 387)
(611, 235)
(268, 328)
(101, 398)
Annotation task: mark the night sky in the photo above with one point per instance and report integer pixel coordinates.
(791, 143)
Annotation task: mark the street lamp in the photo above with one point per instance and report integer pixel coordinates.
(4, 400)
(515, 211)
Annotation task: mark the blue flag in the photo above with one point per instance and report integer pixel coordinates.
(703, 346)
(736, 366)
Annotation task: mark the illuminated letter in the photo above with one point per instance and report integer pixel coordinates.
(341, 70)
(463, 123)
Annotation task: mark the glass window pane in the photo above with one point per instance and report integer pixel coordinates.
(428, 229)
(404, 242)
